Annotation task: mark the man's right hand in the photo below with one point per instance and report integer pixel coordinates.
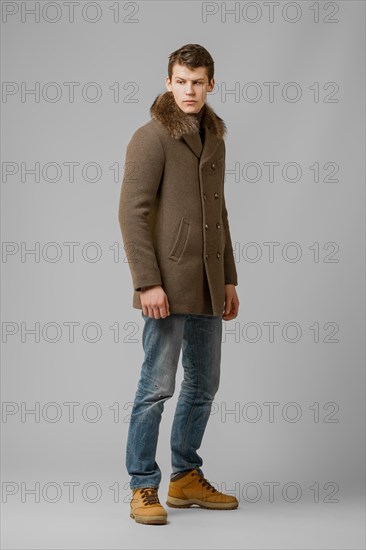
(154, 302)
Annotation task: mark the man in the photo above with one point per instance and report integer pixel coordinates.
(176, 233)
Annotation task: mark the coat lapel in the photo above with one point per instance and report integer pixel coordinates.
(194, 143)
(209, 147)
(205, 151)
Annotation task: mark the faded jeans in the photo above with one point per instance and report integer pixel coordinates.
(199, 338)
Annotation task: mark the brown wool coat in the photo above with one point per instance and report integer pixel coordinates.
(172, 210)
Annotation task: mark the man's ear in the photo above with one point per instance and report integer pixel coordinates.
(168, 84)
(211, 85)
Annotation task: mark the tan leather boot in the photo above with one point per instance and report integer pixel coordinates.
(193, 488)
(145, 506)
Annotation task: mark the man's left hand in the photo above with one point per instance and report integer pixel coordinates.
(231, 306)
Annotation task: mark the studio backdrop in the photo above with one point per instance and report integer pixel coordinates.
(286, 430)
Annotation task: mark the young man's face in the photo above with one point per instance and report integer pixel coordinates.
(189, 87)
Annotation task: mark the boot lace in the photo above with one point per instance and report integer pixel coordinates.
(206, 483)
(150, 495)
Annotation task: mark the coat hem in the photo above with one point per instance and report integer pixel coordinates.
(185, 312)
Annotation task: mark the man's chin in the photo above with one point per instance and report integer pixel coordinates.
(190, 108)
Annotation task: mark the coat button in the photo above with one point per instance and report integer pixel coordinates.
(206, 226)
(213, 166)
(206, 256)
(218, 254)
(204, 196)
(218, 226)
(216, 196)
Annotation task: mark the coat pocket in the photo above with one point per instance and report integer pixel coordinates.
(181, 240)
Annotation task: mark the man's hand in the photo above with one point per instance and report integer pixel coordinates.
(231, 307)
(154, 302)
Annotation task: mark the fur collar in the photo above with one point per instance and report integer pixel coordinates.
(166, 111)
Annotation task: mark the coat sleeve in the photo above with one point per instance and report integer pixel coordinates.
(231, 276)
(144, 165)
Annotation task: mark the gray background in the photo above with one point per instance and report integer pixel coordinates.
(102, 365)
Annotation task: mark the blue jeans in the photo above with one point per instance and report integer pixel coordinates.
(199, 337)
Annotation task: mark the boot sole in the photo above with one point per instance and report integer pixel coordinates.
(150, 520)
(187, 503)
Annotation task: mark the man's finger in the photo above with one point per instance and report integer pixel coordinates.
(228, 306)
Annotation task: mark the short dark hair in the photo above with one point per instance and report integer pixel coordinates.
(192, 56)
